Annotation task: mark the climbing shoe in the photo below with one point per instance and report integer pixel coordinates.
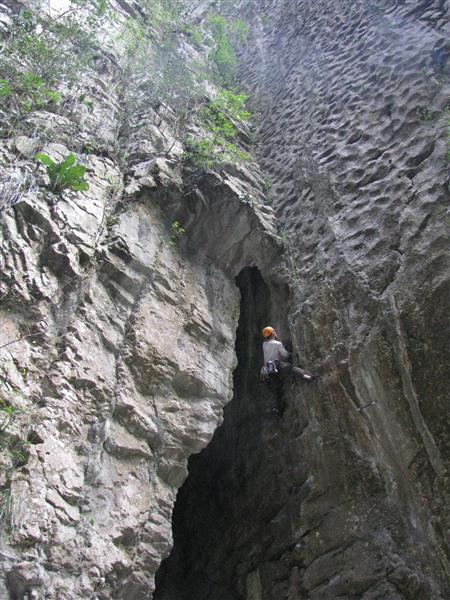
(311, 378)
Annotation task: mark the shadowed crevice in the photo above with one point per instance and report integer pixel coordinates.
(213, 505)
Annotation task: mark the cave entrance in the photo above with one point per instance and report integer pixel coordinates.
(211, 557)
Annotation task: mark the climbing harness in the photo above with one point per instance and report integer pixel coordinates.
(269, 370)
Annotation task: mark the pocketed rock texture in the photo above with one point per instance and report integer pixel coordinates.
(345, 496)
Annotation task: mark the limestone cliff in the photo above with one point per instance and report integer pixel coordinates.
(347, 496)
(122, 341)
(117, 339)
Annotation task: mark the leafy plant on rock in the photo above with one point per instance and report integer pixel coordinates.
(8, 415)
(220, 118)
(43, 57)
(65, 174)
(227, 36)
(177, 232)
(27, 92)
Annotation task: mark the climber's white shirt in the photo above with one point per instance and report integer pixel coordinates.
(274, 350)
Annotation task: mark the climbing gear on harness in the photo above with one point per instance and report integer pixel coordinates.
(269, 370)
(272, 367)
(267, 331)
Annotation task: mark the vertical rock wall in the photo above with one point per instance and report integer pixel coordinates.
(347, 495)
(120, 367)
(118, 341)
(355, 137)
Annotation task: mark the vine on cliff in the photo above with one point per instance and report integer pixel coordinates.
(185, 70)
(175, 79)
(220, 118)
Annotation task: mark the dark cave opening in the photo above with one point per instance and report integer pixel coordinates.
(211, 555)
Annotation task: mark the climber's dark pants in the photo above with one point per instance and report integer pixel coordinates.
(285, 367)
(276, 389)
(276, 383)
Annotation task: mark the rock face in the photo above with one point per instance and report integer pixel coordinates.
(121, 357)
(119, 343)
(346, 496)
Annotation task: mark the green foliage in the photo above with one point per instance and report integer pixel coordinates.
(19, 453)
(227, 36)
(163, 72)
(66, 174)
(91, 147)
(5, 89)
(98, 8)
(164, 14)
(43, 59)
(239, 32)
(220, 118)
(111, 220)
(207, 154)
(35, 89)
(27, 92)
(132, 37)
(194, 33)
(228, 106)
(164, 19)
(223, 54)
(159, 70)
(177, 232)
(222, 115)
(85, 100)
(44, 62)
(8, 415)
(55, 50)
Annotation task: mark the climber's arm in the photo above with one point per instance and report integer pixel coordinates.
(283, 352)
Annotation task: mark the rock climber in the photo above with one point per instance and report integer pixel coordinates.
(275, 355)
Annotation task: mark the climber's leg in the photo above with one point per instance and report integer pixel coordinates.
(298, 371)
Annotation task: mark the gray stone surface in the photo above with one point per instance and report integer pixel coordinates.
(117, 348)
(118, 342)
(346, 496)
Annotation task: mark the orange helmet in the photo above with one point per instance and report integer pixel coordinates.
(267, 331)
